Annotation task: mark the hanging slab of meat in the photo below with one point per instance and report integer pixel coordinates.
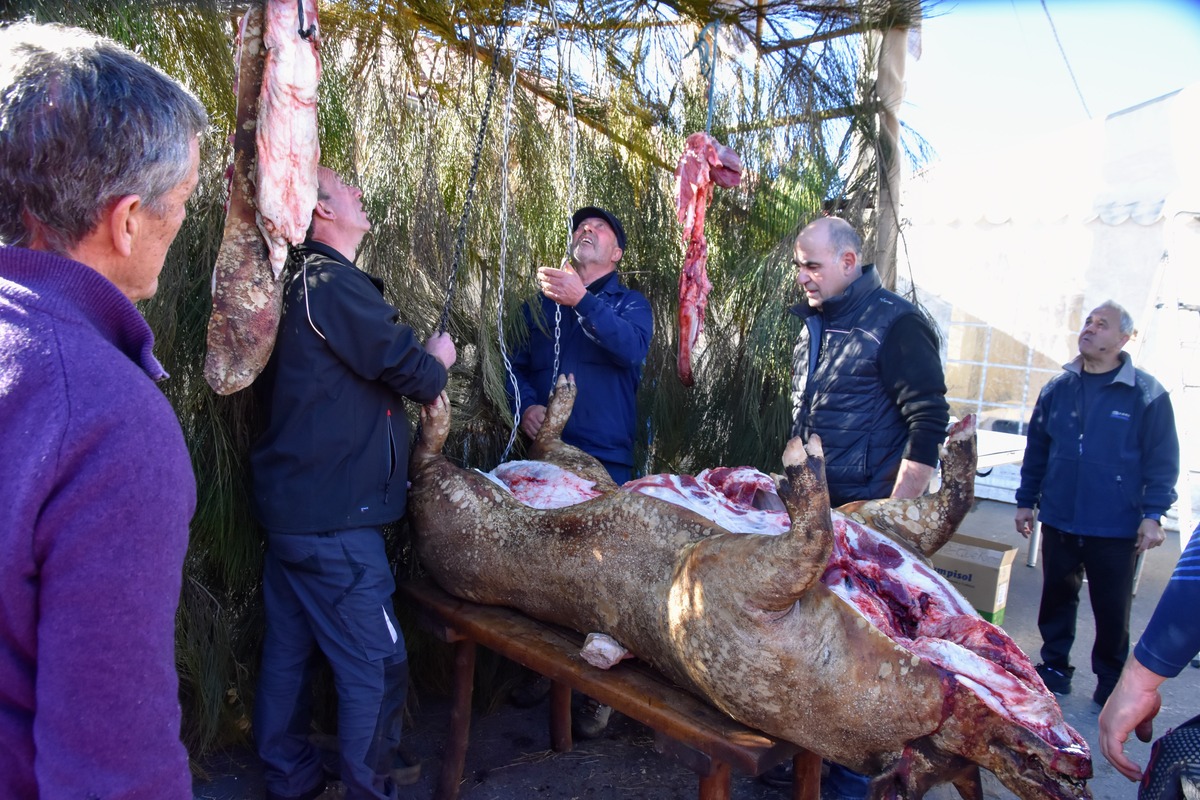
(830, 630)
(704, 162)
(288, 149)
(272, 190)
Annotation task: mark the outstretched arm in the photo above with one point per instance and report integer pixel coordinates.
(1131, 708)
(1170, 640)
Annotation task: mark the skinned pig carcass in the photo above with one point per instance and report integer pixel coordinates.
(835, 634)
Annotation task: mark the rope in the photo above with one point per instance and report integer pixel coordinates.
(305, 33)
(479, 139)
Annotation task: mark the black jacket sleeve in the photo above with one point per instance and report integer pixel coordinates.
(911, 371)
(364, 332)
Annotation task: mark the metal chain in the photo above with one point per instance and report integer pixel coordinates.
(708, 62)
(571, 151)
(712, 73)
(479, 139)
(507, 137)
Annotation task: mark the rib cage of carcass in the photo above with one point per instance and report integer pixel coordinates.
(826, 628)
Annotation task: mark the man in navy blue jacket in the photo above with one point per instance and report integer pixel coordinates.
(603, 338)
(603, 335)
(1100, 466)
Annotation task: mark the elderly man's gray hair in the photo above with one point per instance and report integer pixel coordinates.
(84, 121)
(1126, 319)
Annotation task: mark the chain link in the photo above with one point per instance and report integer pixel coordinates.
(572, 144)
(479, 140)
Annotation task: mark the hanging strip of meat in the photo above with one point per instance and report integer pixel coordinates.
(704, 162)
(246, 296)
(272, 189)
(288, 150)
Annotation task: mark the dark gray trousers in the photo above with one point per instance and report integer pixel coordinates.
(330, 591)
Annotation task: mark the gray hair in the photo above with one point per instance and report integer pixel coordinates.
(842, 236)
(84, 121)
(1126, 319)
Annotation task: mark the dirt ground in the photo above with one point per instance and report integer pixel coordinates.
(509, 756)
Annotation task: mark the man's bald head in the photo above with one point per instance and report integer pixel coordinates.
(827, 259)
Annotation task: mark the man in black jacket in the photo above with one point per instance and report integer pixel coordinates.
(867, 378)
(330, 469)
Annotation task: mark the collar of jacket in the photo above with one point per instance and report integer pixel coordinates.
(1126, 374)
(320, 248)
(845, 303)
(605, 284)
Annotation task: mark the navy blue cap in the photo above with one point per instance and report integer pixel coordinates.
(595, 211)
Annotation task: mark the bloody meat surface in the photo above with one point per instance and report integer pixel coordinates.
(894, 590)
(705, 162)
(272, 189)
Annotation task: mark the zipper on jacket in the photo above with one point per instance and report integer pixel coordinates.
(387, 484)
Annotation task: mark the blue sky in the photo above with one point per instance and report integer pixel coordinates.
(990, 70)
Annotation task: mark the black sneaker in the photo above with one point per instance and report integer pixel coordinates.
(780, 776)
(1056, 680)
(590, 719)
(1101, 695)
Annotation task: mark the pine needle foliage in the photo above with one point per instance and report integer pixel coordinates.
(403, 93)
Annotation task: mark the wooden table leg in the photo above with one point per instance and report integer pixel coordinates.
(806, 768)
(460, 721)
(560, 717)
(717, 785)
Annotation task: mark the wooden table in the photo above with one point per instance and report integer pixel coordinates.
(701, 738)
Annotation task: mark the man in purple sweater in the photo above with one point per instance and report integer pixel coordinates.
(98, 154)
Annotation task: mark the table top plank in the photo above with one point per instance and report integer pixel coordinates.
(631, 687)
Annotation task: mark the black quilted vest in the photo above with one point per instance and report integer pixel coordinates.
(837, 391)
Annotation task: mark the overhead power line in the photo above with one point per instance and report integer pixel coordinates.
(1066, 60)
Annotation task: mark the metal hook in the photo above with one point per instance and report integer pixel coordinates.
(304, 34)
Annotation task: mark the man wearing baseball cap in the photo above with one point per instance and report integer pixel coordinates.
(603, 338)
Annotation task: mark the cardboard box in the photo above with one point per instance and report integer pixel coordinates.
(980, 570)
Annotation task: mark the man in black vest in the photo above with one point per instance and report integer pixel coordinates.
(867, 378)
(867, 375)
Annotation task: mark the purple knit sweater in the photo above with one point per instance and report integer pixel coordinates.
(97, 492)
